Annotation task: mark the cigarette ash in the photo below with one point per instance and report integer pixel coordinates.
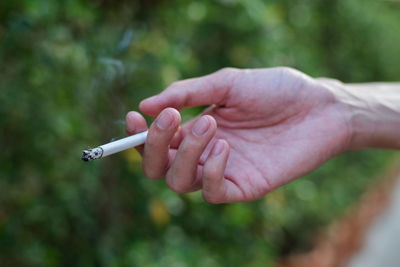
(92, 154)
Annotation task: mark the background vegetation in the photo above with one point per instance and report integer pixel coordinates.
(69, 72)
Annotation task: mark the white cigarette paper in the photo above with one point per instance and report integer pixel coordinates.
(114, 147)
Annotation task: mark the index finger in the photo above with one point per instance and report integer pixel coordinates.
(206, 90)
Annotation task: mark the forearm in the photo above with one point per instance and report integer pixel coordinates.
(373, 113)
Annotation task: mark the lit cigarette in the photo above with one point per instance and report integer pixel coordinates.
(114, 147)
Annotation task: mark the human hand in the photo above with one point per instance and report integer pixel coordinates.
(263, 128)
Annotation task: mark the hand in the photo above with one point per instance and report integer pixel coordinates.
(263, 128)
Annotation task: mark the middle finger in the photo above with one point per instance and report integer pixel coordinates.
(181, 176)
(156, 148)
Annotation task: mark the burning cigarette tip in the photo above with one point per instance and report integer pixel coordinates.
(114, 147)
(92, 154)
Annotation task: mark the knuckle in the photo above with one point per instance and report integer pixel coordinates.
(209, 172)
(189, 147)
(226, 77)
(150, 172)
(211, 198)
(285, 69)
(226, 71)
(328, 81)
(179, 189)
(185, 149)
(151, 142)
(288, 71)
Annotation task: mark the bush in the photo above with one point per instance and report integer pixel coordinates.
(70, 70)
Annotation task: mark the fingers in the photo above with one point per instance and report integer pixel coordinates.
(135, 123)
(217, 189)
(185, 173)
(181, 176)
(156, 149)
(206, 90)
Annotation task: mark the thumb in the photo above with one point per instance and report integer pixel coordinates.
(202, 91)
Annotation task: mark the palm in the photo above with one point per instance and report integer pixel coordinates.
(276, 133)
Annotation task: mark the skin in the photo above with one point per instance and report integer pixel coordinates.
(262, 129)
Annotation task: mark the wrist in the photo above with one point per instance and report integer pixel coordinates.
(372, 113)
(358, 112)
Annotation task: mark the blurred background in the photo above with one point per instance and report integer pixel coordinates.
(70, 71)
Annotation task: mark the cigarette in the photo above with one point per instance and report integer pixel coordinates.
(114, 147)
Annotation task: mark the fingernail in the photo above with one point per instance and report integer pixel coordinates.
(164, 121)
(201, 126)
(218, 148)
(130, 127)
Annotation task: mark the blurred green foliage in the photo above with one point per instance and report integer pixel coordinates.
(69, 72)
